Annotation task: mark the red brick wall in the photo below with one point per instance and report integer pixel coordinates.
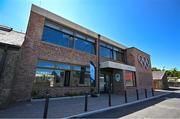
(33, 49)
(143, 75)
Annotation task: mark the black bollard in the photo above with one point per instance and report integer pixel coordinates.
(109, 97)
(125, 96)
(86, 102)
(137, 94)
(46, 106)
(152, 91)
(145, 90)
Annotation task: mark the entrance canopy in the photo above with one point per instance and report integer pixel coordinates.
(115, 65)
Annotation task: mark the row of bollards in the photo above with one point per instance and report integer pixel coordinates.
(137, 94)
(86, 100)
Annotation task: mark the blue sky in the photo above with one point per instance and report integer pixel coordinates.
(150, 25)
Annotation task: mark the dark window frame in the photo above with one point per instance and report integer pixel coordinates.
(73, 35)
(111, 48)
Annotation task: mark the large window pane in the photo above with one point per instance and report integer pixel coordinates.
(87, 80)
(82, 77)
(105, 52)
(54, 36)
(43, 63)
(84, 46)
(77, 68)
(64, 66)
(130, 78)
(71, 42)
(48, 77)
(75, 78)
(117, 56)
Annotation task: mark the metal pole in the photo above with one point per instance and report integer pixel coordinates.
(152, 91)
(125, 96)
(46, 106)
(145, 90)
(109, 97)
(86, 102)
(137, 94)
(98, 53)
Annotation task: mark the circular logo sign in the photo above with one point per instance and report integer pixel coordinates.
(117, 77)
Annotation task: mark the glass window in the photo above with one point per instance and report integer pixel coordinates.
(43, 63)
(71, 42)
(82, 77)
(117, 56)
(105, 52)
(84, 46)
(77, 68)
(58, 27)
(76, 78)
(54, 36)
(64, 66)
(51, 64)
(49, 77)
(130, 79)
(87, 80)
(81, 36)
(90, 40)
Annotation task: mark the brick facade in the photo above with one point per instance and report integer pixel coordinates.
(34, 48)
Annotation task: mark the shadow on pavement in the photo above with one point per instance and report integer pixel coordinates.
(126, 110)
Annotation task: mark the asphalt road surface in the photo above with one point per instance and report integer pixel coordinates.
(164, 107)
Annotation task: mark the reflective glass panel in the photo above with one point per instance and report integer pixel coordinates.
(105, 52)
(43, 63)
(84, 46)
(54, 36)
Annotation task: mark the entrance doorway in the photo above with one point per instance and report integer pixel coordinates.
(105, 82)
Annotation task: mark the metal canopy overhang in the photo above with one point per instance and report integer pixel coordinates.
(115, 65)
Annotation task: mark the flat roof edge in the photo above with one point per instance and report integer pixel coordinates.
(73, 25)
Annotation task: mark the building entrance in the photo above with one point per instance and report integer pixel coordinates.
(105, 82)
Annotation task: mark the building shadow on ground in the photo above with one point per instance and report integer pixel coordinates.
(126, 110)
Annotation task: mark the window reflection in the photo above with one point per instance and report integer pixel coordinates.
(105, 52)
(54, 74)
(84, 46)
(111, 52)
(56, 34)
(48, 77)
(43, 63)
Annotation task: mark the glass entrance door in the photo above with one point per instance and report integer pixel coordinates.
(105, 80)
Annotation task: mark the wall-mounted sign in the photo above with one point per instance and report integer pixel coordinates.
(144, 61)
(117, 77)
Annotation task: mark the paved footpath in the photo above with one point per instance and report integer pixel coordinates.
(164, 107)
(60, 107)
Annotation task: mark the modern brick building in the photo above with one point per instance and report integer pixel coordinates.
(55, 57)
